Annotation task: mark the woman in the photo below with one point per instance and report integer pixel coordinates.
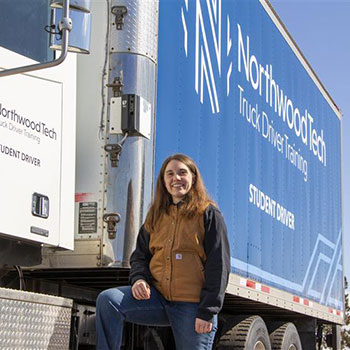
(179, 269)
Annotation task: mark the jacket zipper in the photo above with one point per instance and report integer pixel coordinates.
(175, 224)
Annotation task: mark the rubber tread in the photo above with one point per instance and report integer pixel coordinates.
(236, 337)
(278, 336)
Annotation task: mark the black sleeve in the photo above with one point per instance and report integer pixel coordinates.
(140, 258)
(217, 267)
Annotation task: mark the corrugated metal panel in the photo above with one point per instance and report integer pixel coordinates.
(139, 33)
(33, 321)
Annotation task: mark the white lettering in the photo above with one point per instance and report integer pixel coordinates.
(277, 99)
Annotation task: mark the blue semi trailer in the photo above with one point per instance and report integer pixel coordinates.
(247, 106)
(221, 81)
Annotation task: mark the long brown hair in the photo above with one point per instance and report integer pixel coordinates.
(195, 201)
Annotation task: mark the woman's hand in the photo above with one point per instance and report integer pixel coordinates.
(141, 290)
(202, 326)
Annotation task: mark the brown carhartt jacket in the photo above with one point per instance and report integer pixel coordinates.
(178, 257)
(185, 259)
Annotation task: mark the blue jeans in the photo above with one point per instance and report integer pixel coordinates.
(116, 305)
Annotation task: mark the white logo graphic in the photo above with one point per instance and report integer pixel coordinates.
(205, 58)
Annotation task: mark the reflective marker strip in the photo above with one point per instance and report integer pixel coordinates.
(335, 312)
(309, 303)
(302, 301)
(251, 284)
(265, 289)
(262, 288)
(243, 282)
(254, 285)
(83, 197)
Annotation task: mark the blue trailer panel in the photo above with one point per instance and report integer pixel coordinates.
(236, 95)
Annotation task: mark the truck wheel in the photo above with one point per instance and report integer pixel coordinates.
(285, 337)
(249, 334)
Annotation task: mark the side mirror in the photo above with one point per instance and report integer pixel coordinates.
(80, 38)
(77, 5)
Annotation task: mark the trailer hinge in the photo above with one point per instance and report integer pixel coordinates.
(111, 219)
(117, 85)
(119, 12)
(114, 151)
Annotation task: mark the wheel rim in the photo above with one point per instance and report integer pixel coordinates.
(260, 346)
(292, 347)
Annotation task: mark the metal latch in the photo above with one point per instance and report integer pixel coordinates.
(119, 12)
(111, 219)
(114, 151)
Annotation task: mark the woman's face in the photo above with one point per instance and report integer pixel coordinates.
(178, 179)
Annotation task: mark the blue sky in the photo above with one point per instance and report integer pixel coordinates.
(321, 28)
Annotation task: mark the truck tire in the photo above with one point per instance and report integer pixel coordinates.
(158, 338)
(152, 340)
(285, 337)
(249, 334)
